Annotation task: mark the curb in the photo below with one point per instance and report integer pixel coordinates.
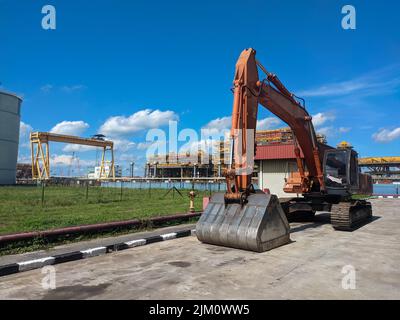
(389, 197)
(89, 253)
(99, 227)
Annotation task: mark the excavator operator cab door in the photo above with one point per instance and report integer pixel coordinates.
(341, 171)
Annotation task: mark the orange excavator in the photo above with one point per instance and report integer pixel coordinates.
(327, 178)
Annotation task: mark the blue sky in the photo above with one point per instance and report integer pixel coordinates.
(148, 62)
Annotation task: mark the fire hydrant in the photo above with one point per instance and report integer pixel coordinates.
(192, 194)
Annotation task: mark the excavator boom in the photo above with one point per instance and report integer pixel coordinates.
(249, 91)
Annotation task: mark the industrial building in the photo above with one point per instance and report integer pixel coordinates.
(200, 165)
(24, 172)
(274, 163)
(274, 160)
(10, 116)
(96, 172)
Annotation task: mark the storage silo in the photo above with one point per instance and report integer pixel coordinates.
(10, 115)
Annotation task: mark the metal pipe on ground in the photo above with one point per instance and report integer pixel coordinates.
(96, 227)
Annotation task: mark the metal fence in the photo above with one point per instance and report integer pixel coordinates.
(386, 189)
(74, 191)
(205, 185)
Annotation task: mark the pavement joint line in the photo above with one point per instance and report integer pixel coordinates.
(89, 253)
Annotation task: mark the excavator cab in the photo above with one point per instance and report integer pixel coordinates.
(341, 172)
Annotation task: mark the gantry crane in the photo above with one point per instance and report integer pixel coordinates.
(40, 152)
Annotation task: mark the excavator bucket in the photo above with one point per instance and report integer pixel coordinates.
(259, 225)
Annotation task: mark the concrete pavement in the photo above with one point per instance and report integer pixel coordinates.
(308, 268)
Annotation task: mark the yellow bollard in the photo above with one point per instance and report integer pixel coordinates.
(192, 194)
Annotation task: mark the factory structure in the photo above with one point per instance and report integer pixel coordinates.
(184, 166)
(274, 160)
(10, 116)
(97, 172)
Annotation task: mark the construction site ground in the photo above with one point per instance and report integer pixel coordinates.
(310, 267)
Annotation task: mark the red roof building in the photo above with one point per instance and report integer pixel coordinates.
(276, 152)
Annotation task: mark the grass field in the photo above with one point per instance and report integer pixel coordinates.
(21, 208)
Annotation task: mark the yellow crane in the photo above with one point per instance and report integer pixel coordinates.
(40, 152)
(379, 160)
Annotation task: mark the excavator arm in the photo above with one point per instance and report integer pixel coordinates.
(249, 91)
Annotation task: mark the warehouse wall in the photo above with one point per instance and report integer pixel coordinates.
(272, 174)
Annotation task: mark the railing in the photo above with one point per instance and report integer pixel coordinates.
(204, 184)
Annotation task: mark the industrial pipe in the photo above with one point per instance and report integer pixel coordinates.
(95, 227)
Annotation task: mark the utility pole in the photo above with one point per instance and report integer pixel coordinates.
(70, 165)
(132, 169)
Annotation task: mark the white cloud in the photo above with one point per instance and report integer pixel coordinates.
(68, 89)
(78, 148)
(327, 131)
(217, 128)
(141, 120)
(225, 123)
(24, 158)
(125, 157)
(24, 138)
(344, 129)
(73, 88)
(144, 145)
(331, 131)
(386, 135)
(46, 88)
(376, 82)
(123, 145)
(61, 159)
(321, 118)
(219, 123)
(25, 129)
(75, 128)
(67, 160)
(268, 123)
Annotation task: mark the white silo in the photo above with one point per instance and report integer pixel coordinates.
(10, 116)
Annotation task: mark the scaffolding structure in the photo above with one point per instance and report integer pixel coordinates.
(183, 166)
(40, 153)
(280, 136)
(382, 169)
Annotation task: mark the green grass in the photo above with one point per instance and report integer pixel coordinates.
(21, 208)
(360, 196)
